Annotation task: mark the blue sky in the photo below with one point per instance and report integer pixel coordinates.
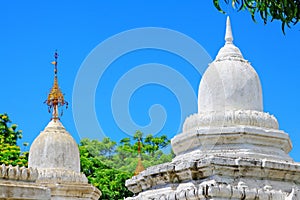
(31, 31)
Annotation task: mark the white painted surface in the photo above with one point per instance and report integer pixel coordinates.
(230, 82)
(54, 148)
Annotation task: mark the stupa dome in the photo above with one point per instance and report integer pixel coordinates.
(230, 82)
(54, 148)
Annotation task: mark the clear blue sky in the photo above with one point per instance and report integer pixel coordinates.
(30, 33)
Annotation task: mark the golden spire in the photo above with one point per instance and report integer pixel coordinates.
(55, 97)
(139, 167)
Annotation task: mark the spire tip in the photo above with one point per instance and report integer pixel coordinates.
(228, 35)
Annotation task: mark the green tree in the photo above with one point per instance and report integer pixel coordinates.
(104, 148)
(108, 164)
(110, 181)
(287, 11)
(153, 144)
(151, 149)
(10, 152)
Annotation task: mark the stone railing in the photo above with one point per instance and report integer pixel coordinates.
(18, 173)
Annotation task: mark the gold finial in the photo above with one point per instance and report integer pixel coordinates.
(55, 97)
(140, 166)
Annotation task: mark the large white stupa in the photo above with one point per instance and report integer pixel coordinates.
(230, 149)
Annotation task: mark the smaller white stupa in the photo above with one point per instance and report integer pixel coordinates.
(55, 154)
(230, 149)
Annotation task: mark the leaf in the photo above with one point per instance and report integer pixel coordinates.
(217, 5)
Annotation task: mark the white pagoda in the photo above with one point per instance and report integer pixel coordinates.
(230, 149)
(55, 155)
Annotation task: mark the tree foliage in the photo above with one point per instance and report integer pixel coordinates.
(10, 152)
(108, 164)
(109, 180)
(287, 11)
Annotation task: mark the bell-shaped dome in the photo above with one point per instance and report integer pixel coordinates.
(230, 82)
(54, 148)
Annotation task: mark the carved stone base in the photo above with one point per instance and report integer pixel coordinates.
(74, 191)
(238, 141)
(16, 190)
(240, 133)
(67, 185)
(217, 177)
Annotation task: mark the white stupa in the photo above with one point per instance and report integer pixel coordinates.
(55, 154)
(230, 149)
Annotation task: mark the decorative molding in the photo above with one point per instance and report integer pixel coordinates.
(220, 191)
(18, 173)
(230, 118)
(56, 175)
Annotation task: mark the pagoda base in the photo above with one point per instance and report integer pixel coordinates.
(74, 191)
(217, 177)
